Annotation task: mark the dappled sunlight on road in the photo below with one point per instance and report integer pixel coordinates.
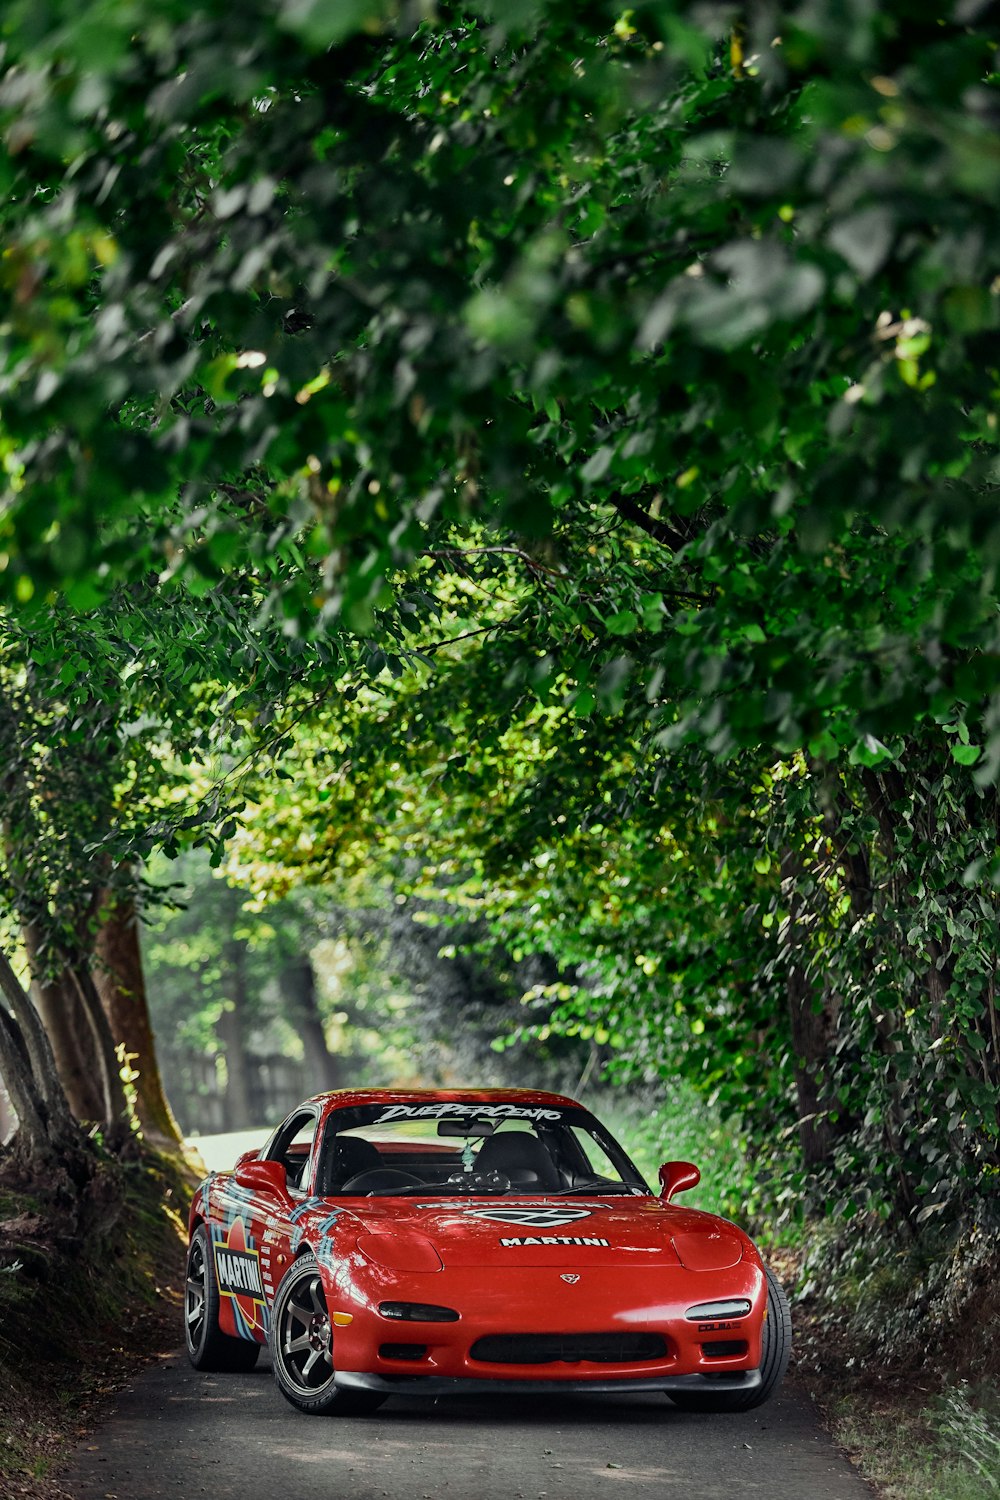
(178, 1433)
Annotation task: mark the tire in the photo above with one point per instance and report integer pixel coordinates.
(301, 1342)
(775, 1349)
(207, 1346)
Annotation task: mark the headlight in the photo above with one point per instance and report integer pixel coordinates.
(418, 1312)
(400, 1252)
(707, 1252)
(735, 1307)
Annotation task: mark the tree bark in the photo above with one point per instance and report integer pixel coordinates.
(232, 1029)
(15, 1068)
(298, 984)
(61, 1008)
(48, 1149)
(116, 1113)
(120, 981)
(31, 1037)
(8, 1119)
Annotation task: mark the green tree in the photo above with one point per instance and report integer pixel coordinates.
(655, 351)
(379, 274)
(117, 726)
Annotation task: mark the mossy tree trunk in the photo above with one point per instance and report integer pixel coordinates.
(61, 1008)
(48, 1146)
(120, 981)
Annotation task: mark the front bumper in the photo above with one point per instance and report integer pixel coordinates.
(369, 1351)
(440, 1385)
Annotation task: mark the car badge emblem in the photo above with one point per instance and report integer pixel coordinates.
(531, 1218)
(569, 1276)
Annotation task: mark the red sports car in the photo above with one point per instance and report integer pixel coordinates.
(435, 1242)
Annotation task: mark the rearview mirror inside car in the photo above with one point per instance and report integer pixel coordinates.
(466, 1127)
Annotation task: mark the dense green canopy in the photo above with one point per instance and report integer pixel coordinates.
(316, 281)
(583, 421)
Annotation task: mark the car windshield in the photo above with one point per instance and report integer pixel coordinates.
(447, 1148)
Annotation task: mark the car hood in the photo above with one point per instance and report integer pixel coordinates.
(512, 1232)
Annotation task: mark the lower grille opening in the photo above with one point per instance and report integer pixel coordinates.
(403, 1351)
(569, 1348)
(723, 1348)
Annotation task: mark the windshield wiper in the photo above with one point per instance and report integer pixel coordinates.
(599, 1189)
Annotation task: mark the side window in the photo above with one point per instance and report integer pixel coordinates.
(292, 1146)
(597, 1159)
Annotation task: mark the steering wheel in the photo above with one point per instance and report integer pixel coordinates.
(379, 1180)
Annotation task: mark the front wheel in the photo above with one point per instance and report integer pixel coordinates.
(207, 1346)
(302, 1347)
(776, 1346)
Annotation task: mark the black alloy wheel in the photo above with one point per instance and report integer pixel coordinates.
(302, 1347)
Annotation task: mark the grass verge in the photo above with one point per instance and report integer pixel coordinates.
(900, 1344)
(948, 1449)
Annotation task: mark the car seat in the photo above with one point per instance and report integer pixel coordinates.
(343, 1158)
(520, 1157)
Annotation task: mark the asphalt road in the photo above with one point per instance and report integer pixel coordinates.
(178, 1435)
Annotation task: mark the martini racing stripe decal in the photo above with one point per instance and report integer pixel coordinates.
(306, 1206)
(296, 1217)
(238, 1277)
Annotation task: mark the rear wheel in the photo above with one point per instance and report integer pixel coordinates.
(207, 1346)
(302, 1347)
(776, 1346)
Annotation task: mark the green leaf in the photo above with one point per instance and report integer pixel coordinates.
(322, 23)
(864, 239)
(597, 465)
(623, 623)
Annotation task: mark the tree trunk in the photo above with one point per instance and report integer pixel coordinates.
(811, 1036)
(48, 1150)
(835, 808)
(30, 1109)
(121, 984)
(232, 1029)
(298, 985)
(116, 1115)
(8, 1119)
(30, 1043)
(61, 1008)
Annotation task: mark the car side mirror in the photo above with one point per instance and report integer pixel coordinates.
(677, 1177)
(262, 1177)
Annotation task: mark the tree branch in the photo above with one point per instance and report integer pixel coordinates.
(658, 530)
(448, 552)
